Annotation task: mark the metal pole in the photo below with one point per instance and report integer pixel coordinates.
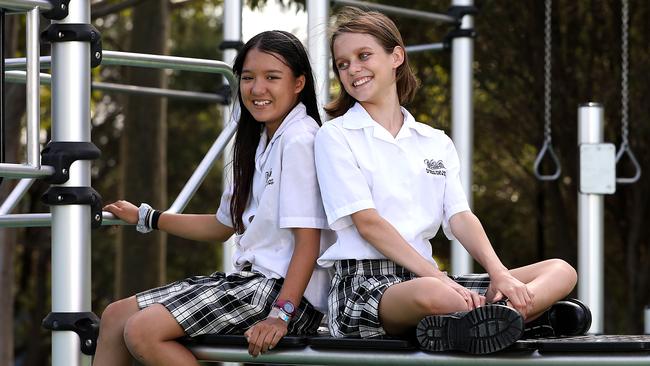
(16, 194)
(462, 117)
(232, 31)
(25, 4)
(71, 244)
(425, 47)
(387, 9)
(590, 224)
(317, 46)
(647, 319)
(33, 88)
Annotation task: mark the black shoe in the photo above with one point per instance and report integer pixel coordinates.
(569, 317)
(483, 330)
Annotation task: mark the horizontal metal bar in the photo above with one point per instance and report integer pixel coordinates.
(400, 11)
(311, 356)
(19, 77)
(25, 4)
(26, 220)
(16, 194)
(425, 47)
(24, 171)
(148, 61)
(170, 62)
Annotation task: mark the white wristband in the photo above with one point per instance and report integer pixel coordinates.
(144, 214)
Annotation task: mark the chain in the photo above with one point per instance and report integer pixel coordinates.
(547, 72)
(624, 72)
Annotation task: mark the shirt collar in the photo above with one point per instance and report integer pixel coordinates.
(261, 154)
(357, 118)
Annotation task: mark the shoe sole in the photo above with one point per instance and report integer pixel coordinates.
(486, 329)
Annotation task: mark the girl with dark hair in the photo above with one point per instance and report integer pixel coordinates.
(388, 184)
(272, 207)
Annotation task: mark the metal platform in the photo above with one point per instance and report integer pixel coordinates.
(573, 351)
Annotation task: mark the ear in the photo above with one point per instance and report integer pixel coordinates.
(300, 84)
(398, 56)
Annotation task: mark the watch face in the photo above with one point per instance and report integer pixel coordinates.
(288, 307)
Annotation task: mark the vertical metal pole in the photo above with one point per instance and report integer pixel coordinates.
(462, 117)
(647, 320)
(318, 48)
(71, 223)
(590, 224)
(232, 24)
(33, 88)
(2, 88)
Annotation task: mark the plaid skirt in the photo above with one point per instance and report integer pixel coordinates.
(357, 288)
(226, 303)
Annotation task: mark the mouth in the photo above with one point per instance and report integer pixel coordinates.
(361, 81)
(261, 103)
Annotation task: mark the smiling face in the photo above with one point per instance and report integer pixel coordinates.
(268, 87)
(366, 70)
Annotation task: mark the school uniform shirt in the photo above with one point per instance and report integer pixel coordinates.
(412, 180)
(284, 195)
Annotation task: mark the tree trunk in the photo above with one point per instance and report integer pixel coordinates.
(15, 103)
(141, 258)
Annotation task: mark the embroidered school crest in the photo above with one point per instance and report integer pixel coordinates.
(435, 167)
(269, 178)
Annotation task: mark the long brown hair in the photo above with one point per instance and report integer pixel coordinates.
(354, 20)
(291, 51)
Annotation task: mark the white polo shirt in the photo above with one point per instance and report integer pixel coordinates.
(412, 180)
(285, 195)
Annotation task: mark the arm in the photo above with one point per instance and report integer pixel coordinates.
(189, 226)
(267, 333)
(468, 230)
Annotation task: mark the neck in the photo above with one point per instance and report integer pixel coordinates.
(386, 112)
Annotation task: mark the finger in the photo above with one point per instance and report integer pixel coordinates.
(498, 295)
(268, 340)
(252, 341)
(276, 338)
(483, 300)
(476, 300)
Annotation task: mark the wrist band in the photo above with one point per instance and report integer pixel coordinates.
(155, 216)
(144, 215)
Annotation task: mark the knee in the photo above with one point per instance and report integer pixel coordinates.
(114, 317)
(565, 270)
(135, 337)
(434, 297)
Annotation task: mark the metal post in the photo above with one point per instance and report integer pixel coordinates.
(33, 88)
(647, 319)
(462, 116)
(71, 223)
(231, 32)
(590, 224)
(317, 45)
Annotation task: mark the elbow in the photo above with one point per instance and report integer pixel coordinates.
(367, 222)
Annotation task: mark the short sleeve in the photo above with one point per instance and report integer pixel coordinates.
(454, 200)
(223, 213)
(300, 203)
(343, 186)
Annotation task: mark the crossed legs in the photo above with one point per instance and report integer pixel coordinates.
(147, 335)
(403, 305)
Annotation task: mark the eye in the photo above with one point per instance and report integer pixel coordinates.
(272, 77)
(364, 56)
(342, 65)
(246, 77)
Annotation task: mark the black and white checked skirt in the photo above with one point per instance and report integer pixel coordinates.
(357, 288)
(226, 304)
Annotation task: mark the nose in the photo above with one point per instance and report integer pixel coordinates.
(258, 87)
(354, 67)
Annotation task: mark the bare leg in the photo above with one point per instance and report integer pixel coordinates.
(151, 337)
(550, 281)
(403, 305)
(111, 349)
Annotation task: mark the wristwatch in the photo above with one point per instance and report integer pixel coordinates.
(287, 306)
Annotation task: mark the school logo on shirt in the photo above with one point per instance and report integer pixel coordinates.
(435, 167)
(269, 178)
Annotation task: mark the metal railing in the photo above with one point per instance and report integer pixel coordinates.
(122, 59)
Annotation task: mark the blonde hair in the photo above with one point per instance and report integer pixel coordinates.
(354, 20)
